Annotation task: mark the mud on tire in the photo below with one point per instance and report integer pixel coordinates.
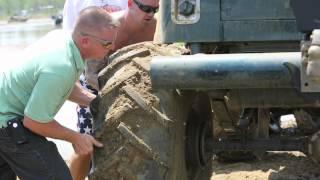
(143, 130)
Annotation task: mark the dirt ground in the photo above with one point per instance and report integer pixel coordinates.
(274, 166)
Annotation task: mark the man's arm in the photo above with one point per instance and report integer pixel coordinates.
(81, 96)
(82, 143)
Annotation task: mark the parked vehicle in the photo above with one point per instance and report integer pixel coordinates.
(21, 16)
(58, 18)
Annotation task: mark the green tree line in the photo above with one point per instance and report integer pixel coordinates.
(9, 7)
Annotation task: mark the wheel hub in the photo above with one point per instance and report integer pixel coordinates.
(198, 151)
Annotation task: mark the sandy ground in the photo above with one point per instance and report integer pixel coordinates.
(274, 166)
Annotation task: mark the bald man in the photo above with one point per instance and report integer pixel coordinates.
(32, 93)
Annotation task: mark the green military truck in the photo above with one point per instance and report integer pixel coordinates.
(218, 81)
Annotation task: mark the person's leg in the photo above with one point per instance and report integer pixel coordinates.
(6, 171)
(38, 159)
(80, 165)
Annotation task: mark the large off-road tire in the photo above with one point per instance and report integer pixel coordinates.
(148, 134)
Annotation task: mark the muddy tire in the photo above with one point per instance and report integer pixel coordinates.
(144, 131)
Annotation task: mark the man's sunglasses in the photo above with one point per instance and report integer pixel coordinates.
(104, 43)
(146, 8)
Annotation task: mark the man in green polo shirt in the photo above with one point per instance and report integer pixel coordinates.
(32, 92)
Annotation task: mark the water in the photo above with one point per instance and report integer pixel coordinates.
(13, 38)
(23, 34)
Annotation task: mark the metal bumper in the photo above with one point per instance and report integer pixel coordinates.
(227, 71)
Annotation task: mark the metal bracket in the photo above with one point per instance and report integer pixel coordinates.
(307, 85)
(179, 18)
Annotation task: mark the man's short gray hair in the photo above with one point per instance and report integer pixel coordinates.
(93, 19)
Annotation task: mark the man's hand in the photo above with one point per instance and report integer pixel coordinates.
(83, 144)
